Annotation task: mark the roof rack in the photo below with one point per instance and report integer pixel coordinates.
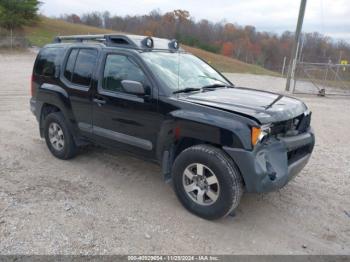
(125, 41)
(106, 39)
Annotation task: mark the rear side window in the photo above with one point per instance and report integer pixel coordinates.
(48, 61)
(68, 72)
(80, 66)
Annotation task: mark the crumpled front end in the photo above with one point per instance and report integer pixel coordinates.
(273, 163)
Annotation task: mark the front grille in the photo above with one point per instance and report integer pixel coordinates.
(294, 126)
(304, 123)
(280, 128)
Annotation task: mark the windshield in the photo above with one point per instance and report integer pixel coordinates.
(180, 70)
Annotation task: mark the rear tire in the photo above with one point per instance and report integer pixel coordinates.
(207, 182)
(58, 138)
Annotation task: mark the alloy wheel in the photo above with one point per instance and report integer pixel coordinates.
(201, 184)
(56, 136)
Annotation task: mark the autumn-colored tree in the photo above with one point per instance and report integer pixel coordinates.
(148, 33)
(93, 19)
(181, 15)
(227, 49)
(229, 32)
(72, 18)
(168, 25)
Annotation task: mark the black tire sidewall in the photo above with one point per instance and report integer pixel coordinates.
(224, 173)
(69, 145)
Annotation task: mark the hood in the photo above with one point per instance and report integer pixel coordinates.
(266, 107)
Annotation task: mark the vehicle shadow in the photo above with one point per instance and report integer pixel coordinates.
(136, 168)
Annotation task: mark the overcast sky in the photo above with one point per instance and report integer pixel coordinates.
(330, 17)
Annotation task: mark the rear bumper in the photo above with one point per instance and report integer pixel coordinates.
(32, 105)
(35, 107)
(273, 164)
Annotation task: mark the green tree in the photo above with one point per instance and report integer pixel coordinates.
(16, 13)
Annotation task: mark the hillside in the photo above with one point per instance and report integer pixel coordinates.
(45, 30)
(227, 64)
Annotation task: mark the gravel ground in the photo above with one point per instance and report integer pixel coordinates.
(105, 202)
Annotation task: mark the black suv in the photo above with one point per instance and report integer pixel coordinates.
(148, 96)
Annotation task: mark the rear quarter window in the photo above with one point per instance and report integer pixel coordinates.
(48, 61)
(68, 72)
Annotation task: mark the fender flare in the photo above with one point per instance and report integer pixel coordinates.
(184, 124)
(56, 96)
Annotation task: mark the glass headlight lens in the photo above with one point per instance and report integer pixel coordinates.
(258, 133)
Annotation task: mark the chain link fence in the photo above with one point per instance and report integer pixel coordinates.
(19, 41)
(322, 79)
(14, 42)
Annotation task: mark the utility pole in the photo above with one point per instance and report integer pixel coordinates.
(302, 41)
(294, 55)
(283, 66)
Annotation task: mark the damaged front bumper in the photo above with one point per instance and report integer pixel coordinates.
(272, 164)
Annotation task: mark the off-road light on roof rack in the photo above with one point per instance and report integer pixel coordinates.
(174, 44)
(148, 42)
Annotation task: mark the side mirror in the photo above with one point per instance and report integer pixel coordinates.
(133, 87)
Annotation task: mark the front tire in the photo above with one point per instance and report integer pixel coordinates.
(58, 138)
(207, 182)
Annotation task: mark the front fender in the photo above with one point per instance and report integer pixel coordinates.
(222, 129)
(202, 127)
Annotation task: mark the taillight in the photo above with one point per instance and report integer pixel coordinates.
(32, 91)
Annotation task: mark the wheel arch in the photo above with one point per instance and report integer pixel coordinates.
(49, 107)
(180, 134)
(46, 109)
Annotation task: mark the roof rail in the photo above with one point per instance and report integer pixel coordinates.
(78, 38)
(125, 41)
(109, 40)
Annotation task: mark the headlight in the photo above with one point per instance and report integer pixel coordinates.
(258, 133)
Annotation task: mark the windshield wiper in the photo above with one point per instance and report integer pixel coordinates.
(191, 89)
(214, 86)
(186, 90)
(213, 78)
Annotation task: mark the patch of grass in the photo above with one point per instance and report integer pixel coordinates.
(46, 29)
(228, 64)
(9, 51)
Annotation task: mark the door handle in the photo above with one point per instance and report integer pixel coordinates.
(100, 102)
